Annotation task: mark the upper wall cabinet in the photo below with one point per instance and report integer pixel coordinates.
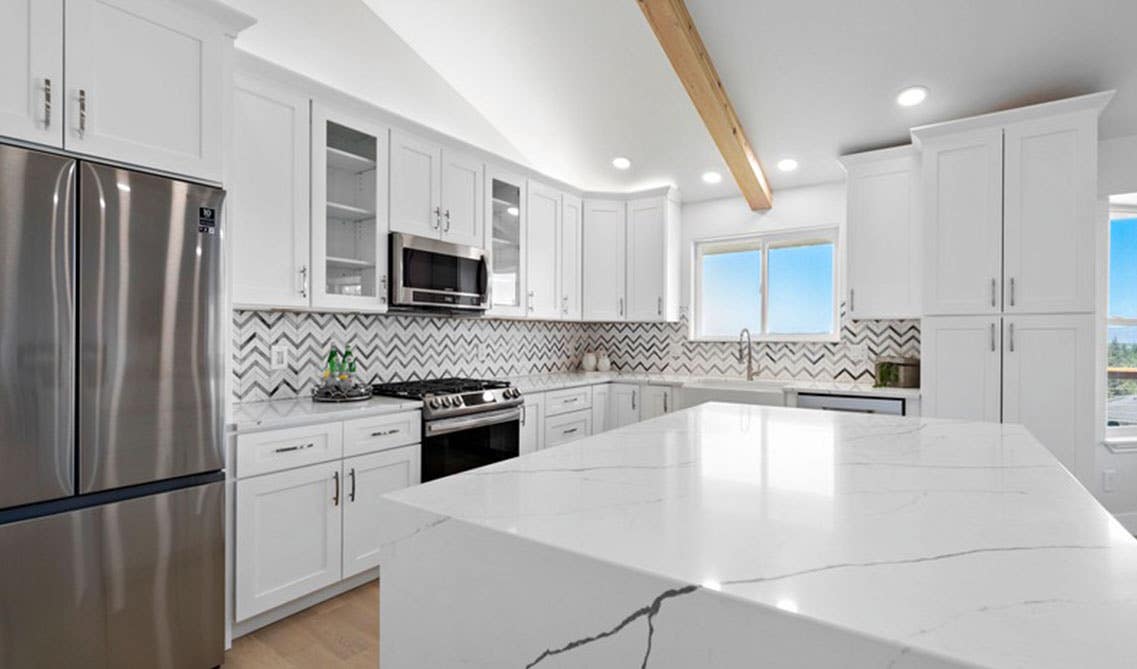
(963, 232)
(31, 70)
(435, 192)
(604, 260)
(267, 204)
(883, 234)
(569, 261)
(1009, 204)
(1050, 168)
(505, 241)
(349, 212)
(144, 80)
(542, 250)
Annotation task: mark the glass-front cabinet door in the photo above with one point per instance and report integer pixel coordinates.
(349, 212)
(505, 241)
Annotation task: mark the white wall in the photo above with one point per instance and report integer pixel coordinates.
(344, 45)
(1117, 166)
(805, 207)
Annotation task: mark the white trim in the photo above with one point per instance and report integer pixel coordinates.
(1094, 103)
(763, 243)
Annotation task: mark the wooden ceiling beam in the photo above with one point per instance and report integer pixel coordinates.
(676, 32)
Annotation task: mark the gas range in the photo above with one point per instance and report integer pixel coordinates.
(443, 398)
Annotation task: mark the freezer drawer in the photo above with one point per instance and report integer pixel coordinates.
(136, 583)
(893, 406)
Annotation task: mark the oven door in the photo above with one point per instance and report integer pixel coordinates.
(432, 273)
(452, 445)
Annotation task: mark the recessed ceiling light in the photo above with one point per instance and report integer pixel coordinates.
(513, 211)
(621, 163)
(787, 164)
(912, 96)
(712, 177)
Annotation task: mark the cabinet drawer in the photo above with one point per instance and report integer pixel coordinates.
(564, 401)
(367, 435)
(568, 427)
(276, 450)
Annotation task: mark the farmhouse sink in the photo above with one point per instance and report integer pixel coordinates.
(739, 391)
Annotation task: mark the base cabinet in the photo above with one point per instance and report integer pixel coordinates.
(568, 427)
(657, 400)
(623, 404)
(532, 424)
(288, 536)
(600, 408)
(366, 479)
(960, 367)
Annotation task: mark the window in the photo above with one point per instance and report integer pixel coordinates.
(780, 286)
(1121, 321)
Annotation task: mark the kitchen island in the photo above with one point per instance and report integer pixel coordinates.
(730, 536)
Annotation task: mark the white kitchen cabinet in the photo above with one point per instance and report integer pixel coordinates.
(569, 263)
(656, 401)
(962, 179)
(366, 478)
(568, 427)
(506, 212)
(462, 209)
(603, 261)
(435, 192)
(349, 212)
(961, 358)
(1050, 191)
(542, 252)
(1049, 381)
(600, 408)
(623, 404)
(532, 423)
(268, 202)
(287, 536)
(145, 83)
(31, 71)
(416, 185)
(652, 259)
(883, 238)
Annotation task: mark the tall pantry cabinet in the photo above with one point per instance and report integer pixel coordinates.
(1009, 229)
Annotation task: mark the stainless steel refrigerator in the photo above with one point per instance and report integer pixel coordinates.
(111, 489)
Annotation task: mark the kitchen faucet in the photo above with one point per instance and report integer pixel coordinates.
(749, 352)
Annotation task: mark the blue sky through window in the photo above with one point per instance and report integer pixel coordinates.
(731, 296)
(1123, 277)
(801, 289)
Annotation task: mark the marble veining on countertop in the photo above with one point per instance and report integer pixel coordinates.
(296, 411)
(965, 540)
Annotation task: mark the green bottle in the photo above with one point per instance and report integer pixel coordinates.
(347, 369)
(332, 369)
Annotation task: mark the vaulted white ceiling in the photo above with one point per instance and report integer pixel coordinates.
(571, 84)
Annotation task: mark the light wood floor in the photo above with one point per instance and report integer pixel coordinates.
(341, 632)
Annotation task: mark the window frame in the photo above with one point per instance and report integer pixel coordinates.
(1124, 436)
(763, 242)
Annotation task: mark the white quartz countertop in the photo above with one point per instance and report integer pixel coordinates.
(248, 416)
(967, 541)
(536, 383)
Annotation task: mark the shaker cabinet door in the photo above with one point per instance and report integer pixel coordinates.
(542, 252)
(604, 261)
(960, 367)
(31, 71)
(366, 479)
(416, 185)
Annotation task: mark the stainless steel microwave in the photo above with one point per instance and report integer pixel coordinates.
(431, 274)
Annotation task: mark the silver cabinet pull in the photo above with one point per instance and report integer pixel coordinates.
(289, 449)
(992, 337)
(570, 400)
(664, 402)
(570, 431)
(383, 289)
(524, 413)
(447, 215)
(1012, 291)
(564, 304)
(304, 282)
(82, 113)
(385, 433)
(336, 496)
(1011, 327)
(351, 495)
(659, 306)
(529, 302)
(633, 400)
(992, 292)
(852, 300)
(621, 306)
(47, 103)
(437, 217)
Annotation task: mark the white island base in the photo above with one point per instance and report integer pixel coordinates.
(746, 536)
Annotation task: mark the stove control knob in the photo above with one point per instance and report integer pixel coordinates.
(434, 403)
(514, 393)
(458, 401)
(447, 402)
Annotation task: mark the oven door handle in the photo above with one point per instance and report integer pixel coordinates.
(447, 425)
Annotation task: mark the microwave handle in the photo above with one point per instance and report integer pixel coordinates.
(483, 275)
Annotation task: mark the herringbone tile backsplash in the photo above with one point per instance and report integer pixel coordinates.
(399, 347)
